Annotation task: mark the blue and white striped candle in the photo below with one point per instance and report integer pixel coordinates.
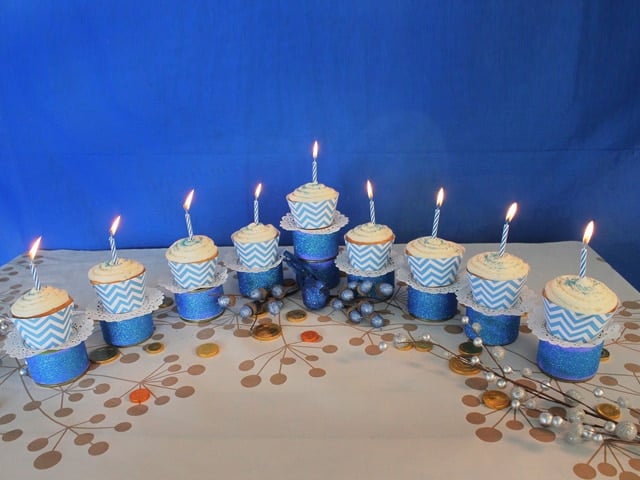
(436, 215)
(314, 166)
(187, 216)
(588, 232)
(372, 207)
(256, 206)
(112, 240)
(32, 255)
(505, 229)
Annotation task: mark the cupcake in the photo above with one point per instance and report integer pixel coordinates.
(577, 309)
(120, 285)
(256, 245)
(434, 262)
(369, 246)
(43, 317)
(496, 281)
(313, 205)
(193, 261)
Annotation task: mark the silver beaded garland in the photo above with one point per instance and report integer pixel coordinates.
(545, 419)
(518, 393)
(477, 342)
(609, 426)
(557, 421)
(465, 320)
(501, 383)
(573, 397)
(598, 392)
(626, 431)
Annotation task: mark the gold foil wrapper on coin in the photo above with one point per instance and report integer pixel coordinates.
(461, 367)
(207, 350)
(468, 348)
(423, 346)
(154, 347)
(609, 411)
(104, 355)
(605, 355)
(496, 399)
(266, 331)
(297, 316)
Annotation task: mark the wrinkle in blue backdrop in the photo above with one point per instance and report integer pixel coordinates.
(121, 107)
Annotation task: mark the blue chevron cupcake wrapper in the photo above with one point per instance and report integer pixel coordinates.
(122, 297)
(495, 294)
(257, 255)
(434, 272)
(573, 326)
(193, 275)
(50, 331)
(313, 215)
(370, 257)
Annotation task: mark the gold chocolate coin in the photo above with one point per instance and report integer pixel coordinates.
(166, 303)
(609, 411)
(457, 365)
(266, 331)
(496, 399)
(404, 346)
(296, 316)
(104, 355)
(207, 350)
(604, 355)
(154, 347)
(423, 346)
(468, 348)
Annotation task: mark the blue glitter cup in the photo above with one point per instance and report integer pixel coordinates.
(126, 333)
(249, 281)
(325, 270)
(569, 363)
(495, 329)
(57, 367)
(315, 246)
(199, 305)
(432, 306)
(386, 278)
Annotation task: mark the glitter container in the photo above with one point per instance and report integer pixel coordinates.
(199, 305)
(498, 329)
(124, 333)
(314, 246)
(251, 280)
(57, 367)
(431, 306)
(576, 363)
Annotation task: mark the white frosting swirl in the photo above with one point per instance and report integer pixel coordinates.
(254, 233)
(194, 250)
(583, 295)
(312, 192)
(369, 233)
(433, 247)
(39, 303)
(491, 266)
(108, 273)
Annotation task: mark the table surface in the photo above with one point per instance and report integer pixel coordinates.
(339, 408)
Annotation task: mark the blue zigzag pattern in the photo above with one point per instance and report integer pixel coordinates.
(193, 275)
(122, 297)
(495, 293)
(46, 332)
(257, 255)
(368, 257)
(314, 214)
(434, 271)
(573, 326)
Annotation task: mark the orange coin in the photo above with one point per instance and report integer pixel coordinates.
(140, 395)
(310, 336)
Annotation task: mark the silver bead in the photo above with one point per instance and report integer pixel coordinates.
(507, 369)
(518, 393)
(426, 337)
(546, 385)
(527, 372)
(475, 360)
(489, 376)
(598, 392)
(383, 346)
(557, 421)
(575, 415)
(399, 340)
(622, 402)
(477, 342)
(464, 320)
(501, 383)
(515, 404)
(626, 431)
(587, 433)
(573, 397)
(499, 353)
(531, 403)
(545, 419)
(609, 426)
(476, 327)
(24, 371)
(597, 437)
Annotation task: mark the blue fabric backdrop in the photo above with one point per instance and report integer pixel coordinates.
(114, 107)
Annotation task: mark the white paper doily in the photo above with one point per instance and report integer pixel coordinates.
(403, 274)
(81, 329)
(342, 262)
(234, 264)
(538, 325)
(339, 221)
(219, 277)
(152, 300)
(524, 303)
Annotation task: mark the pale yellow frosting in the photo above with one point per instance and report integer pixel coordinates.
(369, 233)
(38, 303)
(254, 233)
(108, 273)
(194, 250)
(583, 295)
(312, 192)
(433, 247)
(491, 266)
